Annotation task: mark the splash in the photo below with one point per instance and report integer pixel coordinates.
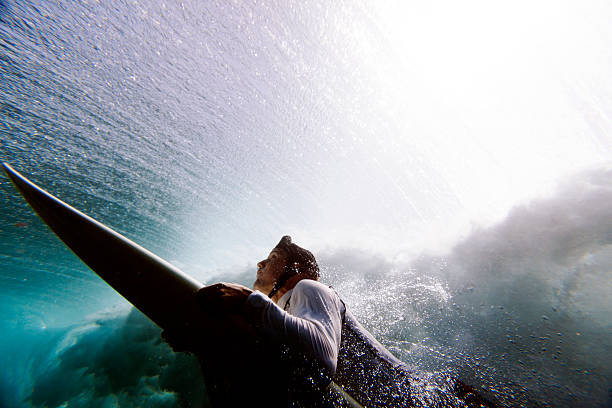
(519, 308)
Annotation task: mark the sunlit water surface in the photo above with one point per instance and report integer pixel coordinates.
(448, 163)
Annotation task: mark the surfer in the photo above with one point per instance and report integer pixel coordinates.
(289, 317)
(289, 304)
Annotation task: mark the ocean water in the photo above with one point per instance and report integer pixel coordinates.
(448, 164)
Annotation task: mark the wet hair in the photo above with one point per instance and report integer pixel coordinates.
(300, 261)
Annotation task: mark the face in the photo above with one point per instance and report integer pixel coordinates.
(269, 270)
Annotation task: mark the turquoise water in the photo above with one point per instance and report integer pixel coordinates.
(467, 226)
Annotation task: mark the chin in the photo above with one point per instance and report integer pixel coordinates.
(258, 285)
(265, 289)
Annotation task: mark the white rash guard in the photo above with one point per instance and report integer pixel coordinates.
(312, 322)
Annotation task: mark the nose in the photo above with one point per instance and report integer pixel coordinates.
(261, 264)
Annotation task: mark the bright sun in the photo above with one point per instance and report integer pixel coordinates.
(508, 82)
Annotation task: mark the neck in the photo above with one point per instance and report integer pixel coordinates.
(290, 284)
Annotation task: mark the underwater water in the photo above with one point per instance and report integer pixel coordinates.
(448, 164)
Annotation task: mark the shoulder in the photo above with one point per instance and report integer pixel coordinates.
(307, 286)
(315, 301)
(311, 289)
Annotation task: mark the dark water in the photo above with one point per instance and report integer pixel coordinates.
(418, 169)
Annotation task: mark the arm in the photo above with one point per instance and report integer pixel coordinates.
(314, 326)
(221, 312)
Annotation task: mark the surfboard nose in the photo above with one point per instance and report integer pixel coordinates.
(10, 171)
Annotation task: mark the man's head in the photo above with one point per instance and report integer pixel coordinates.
(284, 262)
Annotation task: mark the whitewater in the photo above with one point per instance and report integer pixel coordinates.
(448, 165)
